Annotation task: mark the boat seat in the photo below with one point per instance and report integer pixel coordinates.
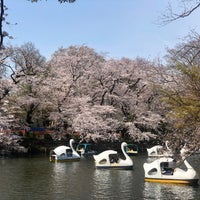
(167, 171)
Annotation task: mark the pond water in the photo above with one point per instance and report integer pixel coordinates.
(36, 178)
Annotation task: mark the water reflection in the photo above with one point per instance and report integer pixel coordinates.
(112, 184)
(59, 169)
(168, 191)
(64, 178)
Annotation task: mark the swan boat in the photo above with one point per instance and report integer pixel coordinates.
(110, 159)
(64, 153)
(165, 170)
(160, 151)
(85, 149)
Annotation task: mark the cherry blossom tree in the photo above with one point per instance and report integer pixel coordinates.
(5, 117)
(5, 87)
(27, 71)
(130, 92)
(80, 91)
(98, 97)
(66, 85)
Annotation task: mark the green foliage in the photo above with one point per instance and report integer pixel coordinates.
(184, 100)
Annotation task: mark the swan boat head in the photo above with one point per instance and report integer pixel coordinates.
(75, 155)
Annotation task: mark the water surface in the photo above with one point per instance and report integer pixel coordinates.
(36, 178)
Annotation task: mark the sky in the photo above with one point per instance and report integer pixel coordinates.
(116, 28)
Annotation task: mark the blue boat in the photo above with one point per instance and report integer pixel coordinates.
(85, 149)
(131, 149)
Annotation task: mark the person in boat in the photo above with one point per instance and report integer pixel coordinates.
(166, 169)
(114, 159)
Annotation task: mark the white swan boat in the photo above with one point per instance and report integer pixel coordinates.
(64, 153)
(160, 151)
(165, 170)
(110, 159)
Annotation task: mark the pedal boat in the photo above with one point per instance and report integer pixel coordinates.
(85, 149)
(111, 159)
(131, 149)
(64, 153)
(160, 151)
(165, 170)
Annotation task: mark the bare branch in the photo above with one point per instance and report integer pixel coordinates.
(188, 7)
